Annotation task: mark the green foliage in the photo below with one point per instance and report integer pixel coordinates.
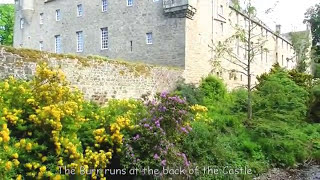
(315, 105)
(279, 97)
(6, 24)
(213, 89)
(190, 92)
(301, 43)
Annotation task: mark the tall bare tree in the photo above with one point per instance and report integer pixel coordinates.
(250, 39)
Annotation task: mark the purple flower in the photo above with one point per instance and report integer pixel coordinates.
(157, 124)
(164, 94)
(184, 130)
(162, 109)
(163, 163)
(136, 137)
(156, 157)
(146, 125)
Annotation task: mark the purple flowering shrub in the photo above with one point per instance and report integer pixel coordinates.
(155, 143)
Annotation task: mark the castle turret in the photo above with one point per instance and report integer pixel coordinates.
(180, 8)
(27, 9)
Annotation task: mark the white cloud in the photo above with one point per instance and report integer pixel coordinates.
(6, 1)
(288, 13)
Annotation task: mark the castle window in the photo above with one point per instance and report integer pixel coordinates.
(261, 53)
(221, 28)
(237, 18)
(79, 10)
(149, 38)
(104, 5)
(41, 18)
(266, 56)
(238, 46)
(79, 41)
(282, 61)
(57, 44)
(220, 10)
(21, 23)
(40, 45)
(104, 38)
(58, 15)
(129, 2)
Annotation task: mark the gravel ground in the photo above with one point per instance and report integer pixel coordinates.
(307, 173)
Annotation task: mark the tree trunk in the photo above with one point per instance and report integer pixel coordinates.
(249, 70)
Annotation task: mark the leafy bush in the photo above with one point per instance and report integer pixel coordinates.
(190, 92)
(315, 105)
(213, 89)
(46, 124)
(279, 97)
(155, 144)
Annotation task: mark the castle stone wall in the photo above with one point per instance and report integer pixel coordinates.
(99, 80)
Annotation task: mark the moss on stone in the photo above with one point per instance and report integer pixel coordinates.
(30, 55)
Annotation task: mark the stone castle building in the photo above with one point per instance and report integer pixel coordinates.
(165, 32)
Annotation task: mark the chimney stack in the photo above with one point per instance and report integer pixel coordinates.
(278, 28)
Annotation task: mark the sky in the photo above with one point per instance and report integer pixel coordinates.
(288, 13)
(6, 1)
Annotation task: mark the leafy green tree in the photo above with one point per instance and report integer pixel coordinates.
(249, 40)
(6, 24)
(312, 16)
(301, 44)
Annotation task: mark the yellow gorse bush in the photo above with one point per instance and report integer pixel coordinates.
(39, 124)
(200, 112)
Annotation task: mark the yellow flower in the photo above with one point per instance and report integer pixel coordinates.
(44, 158)
(28, 165)
(199, 108)
(6, 86)
(15, 156)
(29, 147)
(16, 162)
(57, 177)
(19, 177)
(43, 169)
(17, 145)
(8, 165)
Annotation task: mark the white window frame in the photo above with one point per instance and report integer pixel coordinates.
(41, 45)
(129, 2)
(221, 10)
(79, 10)
(41, 18)
(104, 38)
(104, 5)
(58, 15)
(57, 44)
(80, 41)
(149, 38)
(21, 23)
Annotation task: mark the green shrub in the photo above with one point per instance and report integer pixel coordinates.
(278, 97)
(190, 92)
(315, 105)
(213, 89)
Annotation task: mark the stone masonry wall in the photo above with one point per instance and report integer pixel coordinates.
(99, 80)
